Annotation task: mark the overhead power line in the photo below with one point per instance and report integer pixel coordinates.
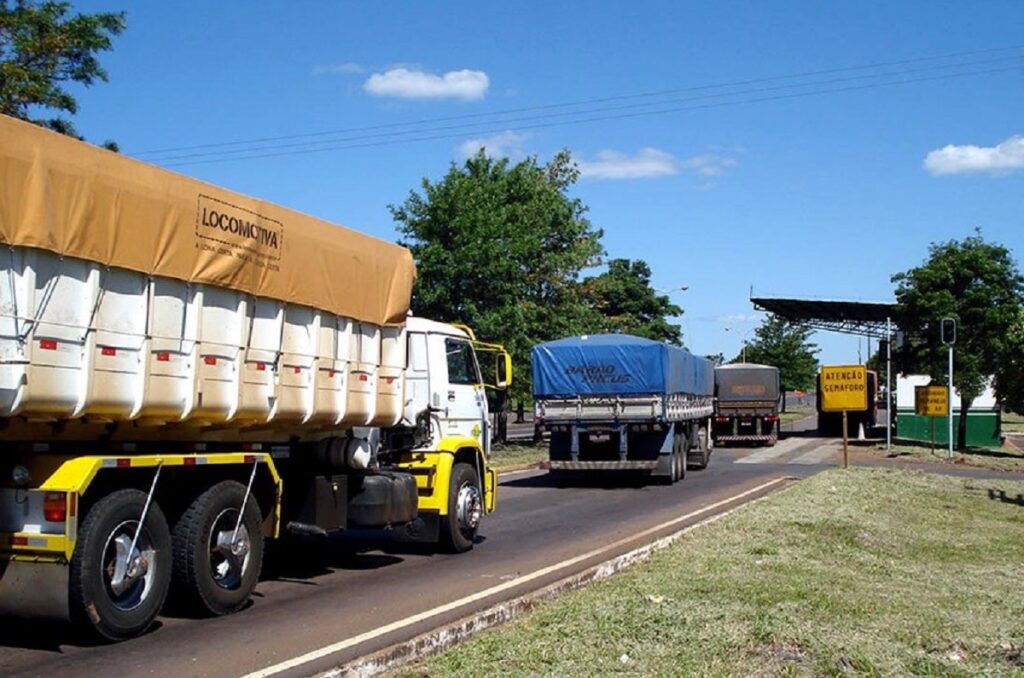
(493, 122)
(584, 102)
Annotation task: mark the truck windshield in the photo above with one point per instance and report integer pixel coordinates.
(462, 367)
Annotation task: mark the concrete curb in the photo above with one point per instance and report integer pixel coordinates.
(446, 637)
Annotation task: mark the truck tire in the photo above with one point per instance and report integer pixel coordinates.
(103, 595)
(684, 448)
(212, 574)
(465, 509)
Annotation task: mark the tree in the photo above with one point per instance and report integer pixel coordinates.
(787, 346)
(978, 284)
(627, 303)
(716, 358)
(1009, 375)
(500, 247)
(41, 49)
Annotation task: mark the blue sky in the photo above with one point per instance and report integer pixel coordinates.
(821, 196)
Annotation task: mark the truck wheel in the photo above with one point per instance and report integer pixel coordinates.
(684, 450)
(465, 509)
(215, 569)
(114, 591)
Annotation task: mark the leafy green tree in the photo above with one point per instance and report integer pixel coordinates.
(978, 284)
(787, 346)
(716, 358)
(1009, 374)
(500, 247)
(42, 48)
(627, 303)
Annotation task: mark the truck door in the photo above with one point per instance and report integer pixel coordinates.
(463, 403)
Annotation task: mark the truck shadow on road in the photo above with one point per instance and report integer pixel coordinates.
(48, 636)
(599, 480)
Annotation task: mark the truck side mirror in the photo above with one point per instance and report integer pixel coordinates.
(502, 370)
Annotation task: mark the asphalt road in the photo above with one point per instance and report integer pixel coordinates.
(314, 597)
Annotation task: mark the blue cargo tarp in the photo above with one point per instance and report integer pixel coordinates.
(617, 364)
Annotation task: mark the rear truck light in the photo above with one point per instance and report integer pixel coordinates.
(210, 359)
(108, 350)
(55, 507)
(721, 420)
(163, 357)
(261, 367)
(48, 344)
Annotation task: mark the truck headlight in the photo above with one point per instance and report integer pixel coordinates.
(20, 476)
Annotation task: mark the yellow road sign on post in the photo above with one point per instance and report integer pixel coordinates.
(931, 401)
(844, 388)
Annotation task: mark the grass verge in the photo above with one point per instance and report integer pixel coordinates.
(867, 571)
(1005, 458)
(514, 453)
(1013, 422)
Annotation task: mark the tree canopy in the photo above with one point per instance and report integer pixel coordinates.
(42, 48)
(626, 302)
(977, 283)
(786, 346)
(500, 247)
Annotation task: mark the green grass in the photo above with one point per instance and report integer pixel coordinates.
(1006, 458)
(866, 572)
(516, 453)
(1013, 422)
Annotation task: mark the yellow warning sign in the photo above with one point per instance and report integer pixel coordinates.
(844, 388)
(931, 401)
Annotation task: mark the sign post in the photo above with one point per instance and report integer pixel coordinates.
(844, 388)
(948, 335)
(931, 402)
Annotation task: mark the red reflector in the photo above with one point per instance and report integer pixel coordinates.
(210, 359)
(363, 377)
(163, 357)
(48, 344)
(391, 380)
(108, 350)
(298, 370)
(250, 458)
(331, 373)
(261, 367)
(19, 541)
(124, 462)
(190, 461)
(55, 506)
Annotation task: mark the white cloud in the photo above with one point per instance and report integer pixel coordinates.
(347, 67)
(709, 164)
(503, 144)
(649, 162)
(406, 83)
(737, 318)
(998, 160)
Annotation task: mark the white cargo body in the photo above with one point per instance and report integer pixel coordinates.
(78, 339)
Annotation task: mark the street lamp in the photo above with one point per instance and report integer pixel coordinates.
(744, 339)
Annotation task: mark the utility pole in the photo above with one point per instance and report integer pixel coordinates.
(948, 336)
(888, 384)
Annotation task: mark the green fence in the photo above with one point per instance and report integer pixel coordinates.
(984, 429)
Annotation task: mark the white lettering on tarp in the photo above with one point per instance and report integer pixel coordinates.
(598, 374)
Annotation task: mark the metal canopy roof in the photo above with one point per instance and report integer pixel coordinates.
(864, 318)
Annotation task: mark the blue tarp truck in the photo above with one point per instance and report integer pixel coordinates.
(615, 402)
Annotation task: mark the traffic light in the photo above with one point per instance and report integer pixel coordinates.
(948, 331)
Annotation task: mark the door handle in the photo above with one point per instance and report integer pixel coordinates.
(451, 396)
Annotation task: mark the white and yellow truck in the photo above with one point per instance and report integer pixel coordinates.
(186, 372)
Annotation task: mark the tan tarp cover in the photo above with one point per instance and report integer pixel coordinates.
(79, 200)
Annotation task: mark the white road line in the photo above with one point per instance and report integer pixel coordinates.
(820, 455)
(328, 650)
(767, 454)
